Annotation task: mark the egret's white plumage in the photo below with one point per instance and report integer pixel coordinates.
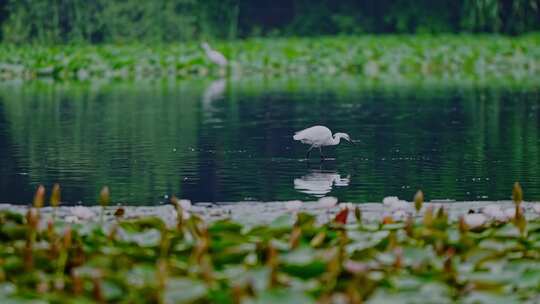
(214, 56)
(318, 137)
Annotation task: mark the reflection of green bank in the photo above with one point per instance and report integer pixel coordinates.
(40, 114)
(373, 57)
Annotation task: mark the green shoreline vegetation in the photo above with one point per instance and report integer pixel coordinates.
(373, 57)
(426, 257)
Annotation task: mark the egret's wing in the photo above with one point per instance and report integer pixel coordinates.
(302, 134)
(315, 134)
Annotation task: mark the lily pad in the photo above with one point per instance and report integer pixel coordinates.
(183, 290)
(282, 296)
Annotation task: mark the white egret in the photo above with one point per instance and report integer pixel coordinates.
(214, 56)
(319, 136)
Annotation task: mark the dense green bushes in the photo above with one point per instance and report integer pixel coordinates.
(54, 21)
(101, 20)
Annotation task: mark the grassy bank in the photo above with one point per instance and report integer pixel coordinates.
(447, 56)
(292, 260)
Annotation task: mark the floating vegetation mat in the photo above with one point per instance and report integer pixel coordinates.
(422, 259)
(445, 57)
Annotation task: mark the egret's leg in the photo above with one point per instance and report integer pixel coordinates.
(308, 152)
(322, 155)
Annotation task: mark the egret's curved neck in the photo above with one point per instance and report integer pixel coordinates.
(336, 139)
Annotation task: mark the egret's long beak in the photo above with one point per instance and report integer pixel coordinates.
(352, 141)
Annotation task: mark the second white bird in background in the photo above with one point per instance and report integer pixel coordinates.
(214, 56)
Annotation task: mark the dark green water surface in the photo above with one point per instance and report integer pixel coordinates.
(232, 141)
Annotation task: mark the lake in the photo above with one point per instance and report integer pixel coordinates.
(226, 141)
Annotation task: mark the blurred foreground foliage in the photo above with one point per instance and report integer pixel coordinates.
(424, 259)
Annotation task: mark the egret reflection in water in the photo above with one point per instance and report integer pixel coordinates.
(213, 91)
(319, 182)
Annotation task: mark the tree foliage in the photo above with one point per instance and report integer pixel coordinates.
(95, 21)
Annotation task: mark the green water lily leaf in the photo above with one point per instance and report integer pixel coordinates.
(386, 258)
(21, 301)
(489, 298)
(12, 231)
(80, 300)
(282, 222)
(491, 278)
(436, 292)
(148, 238)
(225, 226)
(498, 245)
(394, 226)
(259, 277)
(507, 231)
(303, 262)
(111, 291)
(183, 290)
(364, 240)
(416, 291)
(305, 219)
(143, 223)
(406, 283)
(8, 216)
(7, 289)
(529, 279)
(414, 255)
(385, 296)
(300, 256)
(141, 275)
(533, 227)
(282, 296)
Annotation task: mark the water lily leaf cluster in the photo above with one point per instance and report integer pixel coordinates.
(293, 260)
(373, 57)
